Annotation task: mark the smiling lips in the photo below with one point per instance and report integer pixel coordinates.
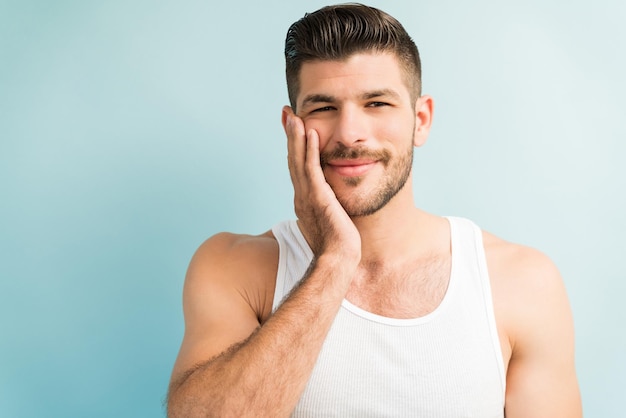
(352, 167)
(353, 162)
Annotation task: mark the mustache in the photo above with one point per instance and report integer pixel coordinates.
(341, 152)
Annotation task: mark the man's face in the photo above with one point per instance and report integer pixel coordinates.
(366, 120)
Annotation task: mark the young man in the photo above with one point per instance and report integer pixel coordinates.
(366, 305)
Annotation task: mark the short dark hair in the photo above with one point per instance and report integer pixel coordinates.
(335, 33)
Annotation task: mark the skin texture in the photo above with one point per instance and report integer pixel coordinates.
(232, 343)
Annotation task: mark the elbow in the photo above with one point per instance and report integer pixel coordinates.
(181, 405)
(176, 404)
(191, 401)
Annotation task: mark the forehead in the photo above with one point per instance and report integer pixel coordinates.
(355, 75)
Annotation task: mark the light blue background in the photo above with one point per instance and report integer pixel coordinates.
(130, 131)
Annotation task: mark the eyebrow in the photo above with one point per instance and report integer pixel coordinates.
(368, 95)
(317, 98)
(380, 93)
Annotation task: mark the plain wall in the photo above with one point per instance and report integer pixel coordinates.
(130, 131)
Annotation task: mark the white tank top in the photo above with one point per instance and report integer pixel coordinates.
(445, 364)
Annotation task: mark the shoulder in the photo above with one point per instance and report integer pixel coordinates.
(520, 276)
(536, 330)
(516, 264)
(224, 248)
(228, 292)
(519, 271)
(529, 295)
(238, 264)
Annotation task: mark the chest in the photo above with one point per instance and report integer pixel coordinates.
(408, 291)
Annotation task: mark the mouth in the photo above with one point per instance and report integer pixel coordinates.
(353, 162)
(351, 168)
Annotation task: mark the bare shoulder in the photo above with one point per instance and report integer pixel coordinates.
(536, 330)
(228, 293)
(513, 261)
(525, 282)
(243, 263)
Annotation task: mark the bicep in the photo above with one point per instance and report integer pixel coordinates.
(543, 383)
(541, 377)
(217, 315)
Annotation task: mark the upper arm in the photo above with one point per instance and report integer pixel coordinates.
(224, 297)
(532, 301)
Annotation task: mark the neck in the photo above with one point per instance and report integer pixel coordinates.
(397, 232)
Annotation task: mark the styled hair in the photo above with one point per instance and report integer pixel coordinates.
(335, 33)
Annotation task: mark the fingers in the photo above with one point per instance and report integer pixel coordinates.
(303, 152)
(311, 191)
(312, 161)
(322, 219)
(296, 144)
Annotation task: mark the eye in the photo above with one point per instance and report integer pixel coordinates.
(322, 109)
(377, 104)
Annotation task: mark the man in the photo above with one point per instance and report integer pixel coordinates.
(367, 305)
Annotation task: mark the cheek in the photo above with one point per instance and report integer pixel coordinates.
(394, 132)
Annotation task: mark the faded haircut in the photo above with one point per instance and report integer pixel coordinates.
(335, 33)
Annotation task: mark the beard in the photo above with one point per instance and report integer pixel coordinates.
(367, 202)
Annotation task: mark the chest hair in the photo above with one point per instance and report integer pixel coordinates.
(405, 291)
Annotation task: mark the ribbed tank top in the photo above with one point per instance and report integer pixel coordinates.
(445, 364)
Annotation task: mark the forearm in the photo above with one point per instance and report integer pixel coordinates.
(266, 374)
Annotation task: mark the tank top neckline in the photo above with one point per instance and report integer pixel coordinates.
(401, 322)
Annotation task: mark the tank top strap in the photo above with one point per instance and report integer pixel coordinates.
(466, 246)
(471, 260)
(295, 255)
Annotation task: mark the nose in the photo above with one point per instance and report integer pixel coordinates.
(350, 128)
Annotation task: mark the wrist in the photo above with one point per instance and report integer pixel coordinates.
(336, 263)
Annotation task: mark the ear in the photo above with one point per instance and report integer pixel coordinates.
(424, 107)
